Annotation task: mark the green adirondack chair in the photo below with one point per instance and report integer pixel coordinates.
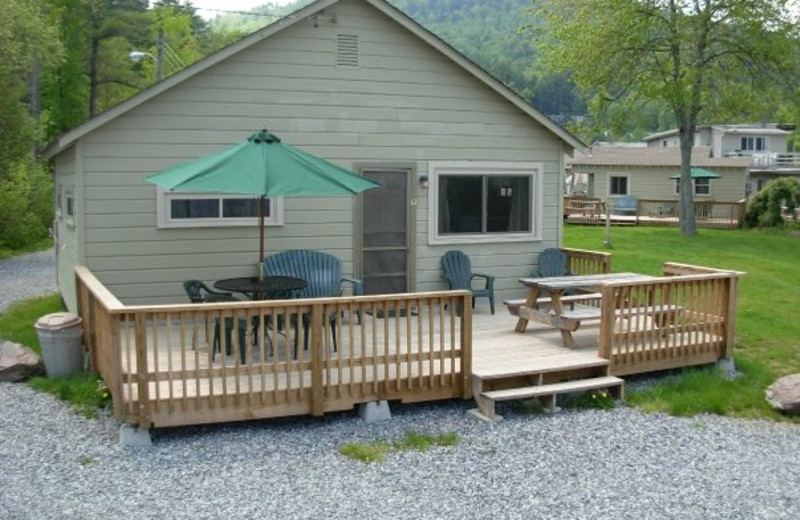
(323, 275)
(457, 270)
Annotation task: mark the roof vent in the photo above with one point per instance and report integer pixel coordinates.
(346, 50)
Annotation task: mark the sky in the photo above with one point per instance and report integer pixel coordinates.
(230, 5)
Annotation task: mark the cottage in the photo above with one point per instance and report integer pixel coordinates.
(463, 161)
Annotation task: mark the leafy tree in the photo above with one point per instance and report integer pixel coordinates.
(767, 207)
(701, 58)
(27, 42)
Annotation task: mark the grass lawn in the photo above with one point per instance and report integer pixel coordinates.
(768, 328)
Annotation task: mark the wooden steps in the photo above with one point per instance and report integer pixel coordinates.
(552, 391)
(571, 372)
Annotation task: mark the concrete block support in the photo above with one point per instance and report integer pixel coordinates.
(375, 411)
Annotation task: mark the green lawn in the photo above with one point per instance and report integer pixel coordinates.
(768, 328)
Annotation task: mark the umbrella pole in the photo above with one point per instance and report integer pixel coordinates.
(261, 238)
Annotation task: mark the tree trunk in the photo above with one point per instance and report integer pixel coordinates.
(686, 202)
(94, 76)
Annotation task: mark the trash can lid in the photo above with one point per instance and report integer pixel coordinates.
(58, 321)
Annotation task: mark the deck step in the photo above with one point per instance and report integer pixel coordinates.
(486, 400)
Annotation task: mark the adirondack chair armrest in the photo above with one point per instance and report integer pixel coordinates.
(489, 279)
(357, 285)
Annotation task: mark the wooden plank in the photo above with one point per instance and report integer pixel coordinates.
(553, 388)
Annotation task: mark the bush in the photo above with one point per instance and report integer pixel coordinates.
(767, 207)
(26, 205)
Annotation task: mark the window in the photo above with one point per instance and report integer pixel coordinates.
(753, 144)
(177, 209)
(59, 202)
(69, 207)
(701, 186)
(617, 184)
(484, 202)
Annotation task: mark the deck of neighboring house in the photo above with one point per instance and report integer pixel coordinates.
(163, 370)
(653, 212)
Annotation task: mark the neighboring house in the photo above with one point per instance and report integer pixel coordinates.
(609, 172)
(464, 162)
(764, 145)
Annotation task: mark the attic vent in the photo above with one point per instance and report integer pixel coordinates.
(346, 50)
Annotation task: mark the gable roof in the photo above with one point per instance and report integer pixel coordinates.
(661, 156)
(67, 139)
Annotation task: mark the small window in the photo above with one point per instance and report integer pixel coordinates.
(59, 202)
(753, 144)
(618, 185)
(701, 186)
(69, 207)
(209, 210)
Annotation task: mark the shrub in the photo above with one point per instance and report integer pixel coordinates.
(766, 208)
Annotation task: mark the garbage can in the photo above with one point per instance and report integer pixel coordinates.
(61, 338)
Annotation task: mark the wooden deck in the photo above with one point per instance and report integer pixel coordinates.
(162, 371)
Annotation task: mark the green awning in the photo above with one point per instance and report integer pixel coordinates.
(698, 173)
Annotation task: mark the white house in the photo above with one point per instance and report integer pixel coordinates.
(765, 145)
(464, 162)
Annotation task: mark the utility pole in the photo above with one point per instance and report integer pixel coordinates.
(160, 56)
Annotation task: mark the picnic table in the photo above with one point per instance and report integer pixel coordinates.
(547, 298)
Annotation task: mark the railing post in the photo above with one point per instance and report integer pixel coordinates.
(607, 309)
(143, 413)
(316, 330)
(730, 315)
(466, 349)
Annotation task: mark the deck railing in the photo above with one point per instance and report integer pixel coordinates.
(163, 369)
(687, 317)
(719, 214)
(581, 261)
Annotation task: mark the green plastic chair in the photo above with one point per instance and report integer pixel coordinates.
(199, 292)
(457, 270)
(551, 262)
(323, 275)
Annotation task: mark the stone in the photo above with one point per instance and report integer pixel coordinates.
(374, 411)
(784, 394)
(18, 362)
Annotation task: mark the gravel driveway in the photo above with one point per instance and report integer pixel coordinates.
(26, 276)
(575, 464)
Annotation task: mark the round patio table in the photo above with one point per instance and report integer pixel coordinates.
(269, 288)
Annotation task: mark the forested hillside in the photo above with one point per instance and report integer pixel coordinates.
(490, 33)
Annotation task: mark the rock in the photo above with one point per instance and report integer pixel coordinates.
(784, 394)
(18, 362)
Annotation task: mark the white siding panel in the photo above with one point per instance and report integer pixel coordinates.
(404, 103)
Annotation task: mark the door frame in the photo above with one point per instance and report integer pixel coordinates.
(413, 194)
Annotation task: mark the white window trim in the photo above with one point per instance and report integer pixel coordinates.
(60, 202)
(70, 201)
(676, 188)
(608, 184)
(163, 220)
(534, 170)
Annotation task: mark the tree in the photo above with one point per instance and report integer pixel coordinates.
(701, 58)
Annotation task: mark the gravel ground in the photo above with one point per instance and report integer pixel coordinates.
(575, 464)
(26, 276)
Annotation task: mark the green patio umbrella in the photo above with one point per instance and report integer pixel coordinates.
(698, 173)
(265, 166)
